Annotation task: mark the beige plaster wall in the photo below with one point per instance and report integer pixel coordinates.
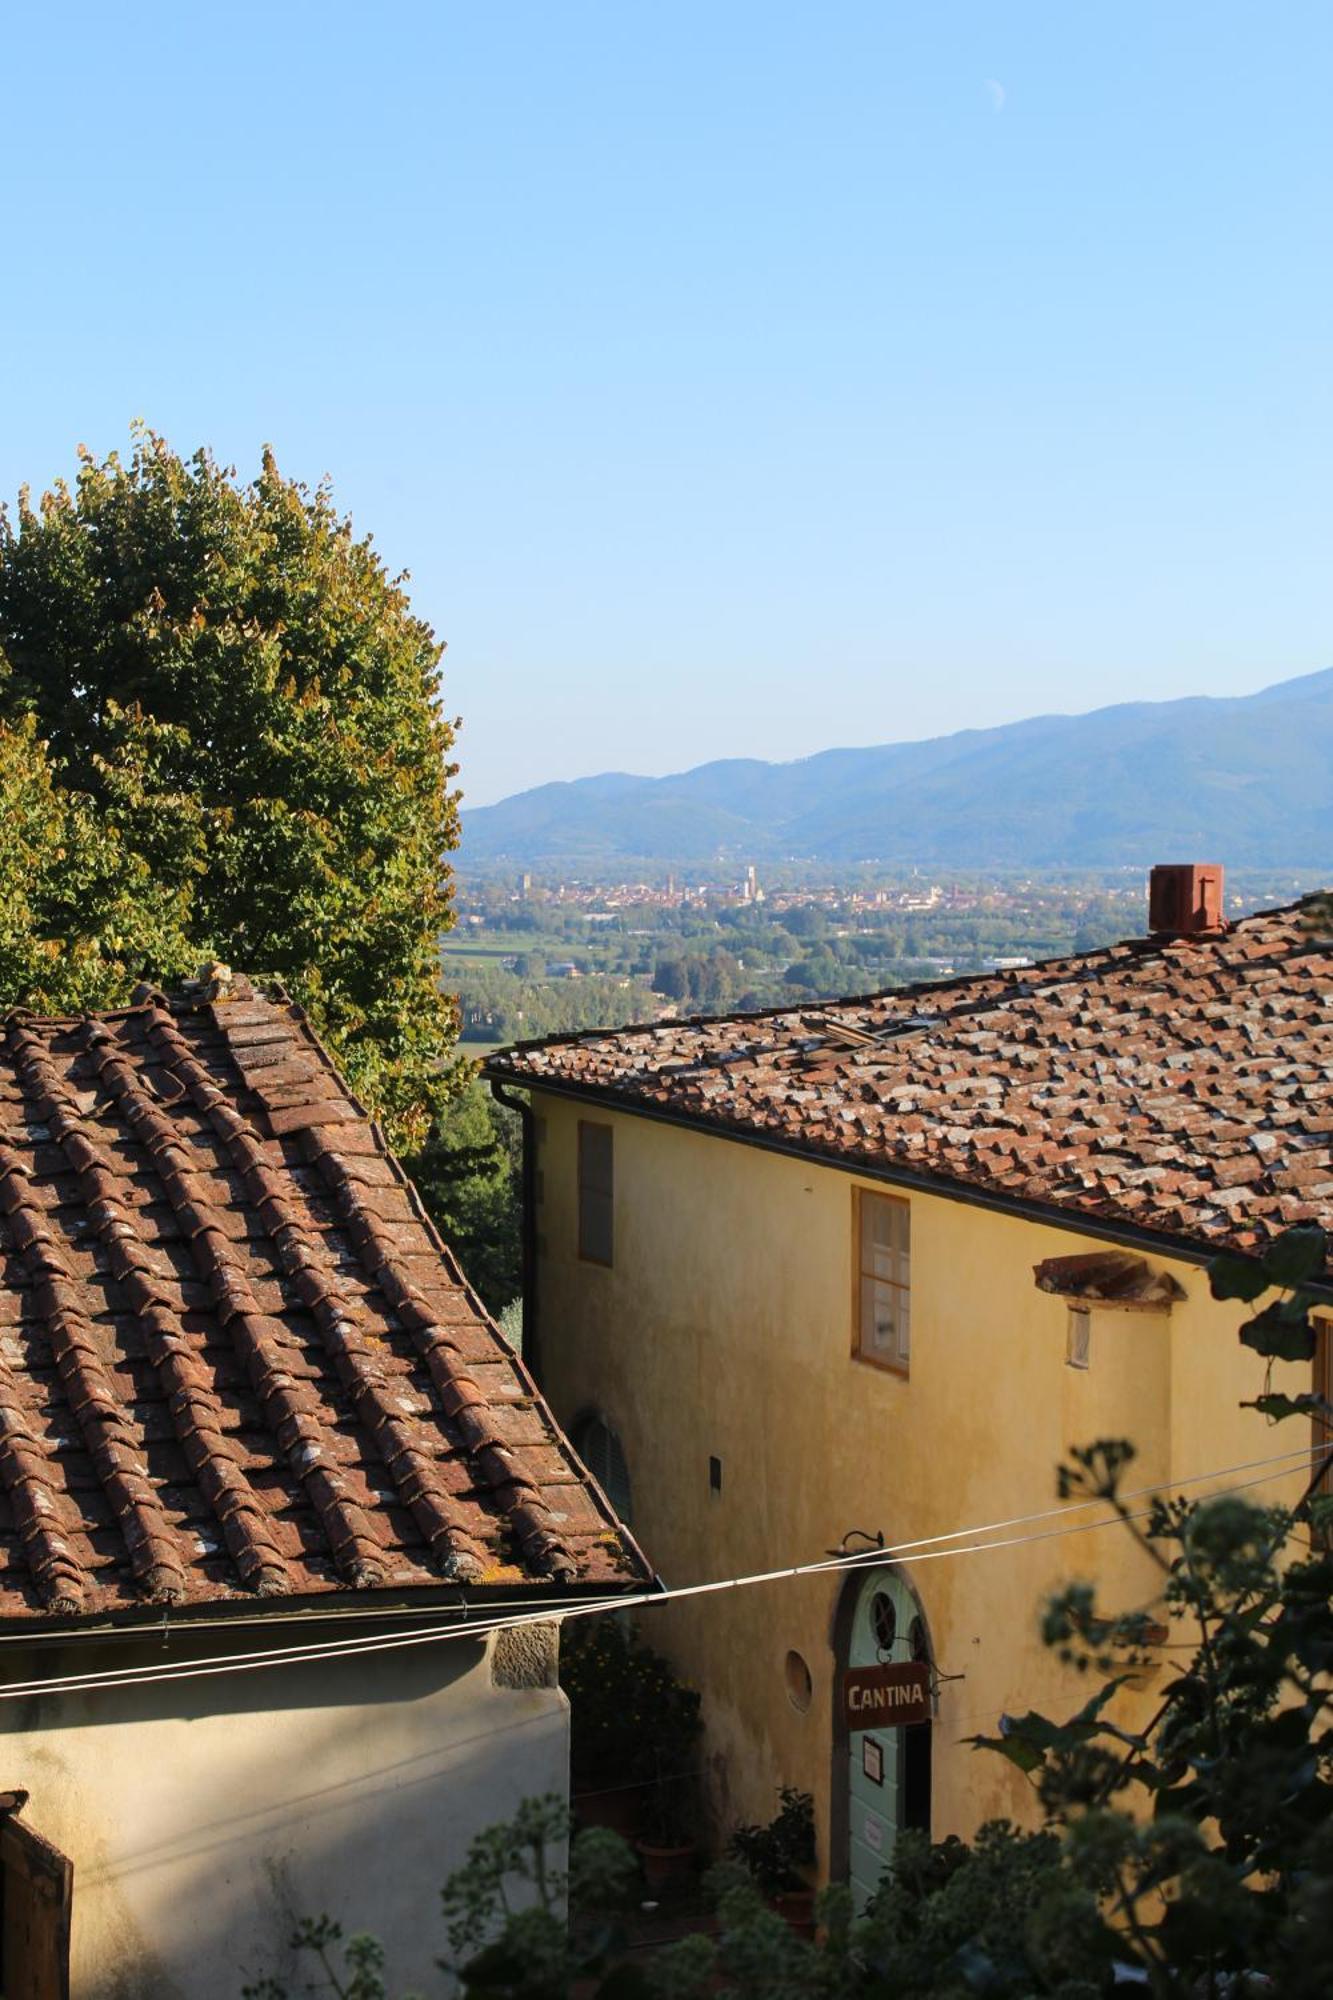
(724, 1328)
(202, 1817)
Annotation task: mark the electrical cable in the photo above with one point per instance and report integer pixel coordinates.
(1298, 1453)
(322, 1650)
(350, 1614)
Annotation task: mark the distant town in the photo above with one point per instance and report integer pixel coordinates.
(533, 954)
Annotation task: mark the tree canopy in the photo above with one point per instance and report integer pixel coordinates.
(219, 738)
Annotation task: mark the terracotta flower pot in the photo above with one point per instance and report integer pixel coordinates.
(797, 1908)
(665, 1867)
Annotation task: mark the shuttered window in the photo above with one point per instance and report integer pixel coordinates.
(883, 1307)
(596, 1193)
(36, 1889)
(601, 1451)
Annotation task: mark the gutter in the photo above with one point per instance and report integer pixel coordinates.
(1128, 1235)
(316, 1612)
(527, 1225)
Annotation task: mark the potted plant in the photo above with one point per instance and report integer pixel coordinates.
(665, 1757)
(781, 1858)
(634, 1730)
(666, 1844)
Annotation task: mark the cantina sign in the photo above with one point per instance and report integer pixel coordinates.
(886, 1697)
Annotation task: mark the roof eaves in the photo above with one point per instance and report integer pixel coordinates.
(1082, 1222)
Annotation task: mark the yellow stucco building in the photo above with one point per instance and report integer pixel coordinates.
(806, 1280)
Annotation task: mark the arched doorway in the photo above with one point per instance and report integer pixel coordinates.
(881, 1776)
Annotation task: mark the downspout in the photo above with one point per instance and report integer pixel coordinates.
(527, 1223)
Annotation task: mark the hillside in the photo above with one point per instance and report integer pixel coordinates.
(1246, 779)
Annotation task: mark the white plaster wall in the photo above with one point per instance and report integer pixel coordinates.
(202, 1817)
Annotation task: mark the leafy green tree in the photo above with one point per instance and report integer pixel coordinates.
(671, 978)
(506, 1914)
(237, 700)
(468, 1174)
(81, 909)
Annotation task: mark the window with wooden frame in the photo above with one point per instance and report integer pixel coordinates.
(596, 1193)
(882, 1311)
(1078, 1337)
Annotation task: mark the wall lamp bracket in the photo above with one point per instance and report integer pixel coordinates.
(861, 1535)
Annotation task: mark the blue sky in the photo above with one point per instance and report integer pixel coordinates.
(733, 379)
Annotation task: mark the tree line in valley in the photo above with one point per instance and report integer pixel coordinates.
(532, 966)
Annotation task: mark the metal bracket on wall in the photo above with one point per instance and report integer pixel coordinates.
(863, 1535)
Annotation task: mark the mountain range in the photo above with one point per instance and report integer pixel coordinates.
(1246, 780)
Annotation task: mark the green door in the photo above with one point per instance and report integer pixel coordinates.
(887, 1629)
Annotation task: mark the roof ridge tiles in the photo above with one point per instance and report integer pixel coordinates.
(1238, 1020)
(1008, 985)
(194, 1408)
(813, 1012)
(339, 1317)
(292, 1407)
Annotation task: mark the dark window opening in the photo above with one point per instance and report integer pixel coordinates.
(916, 1776)
(596, 1191)
(601, 1451)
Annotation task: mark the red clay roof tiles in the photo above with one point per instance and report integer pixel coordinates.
(1184, 1086)
(234, 1356)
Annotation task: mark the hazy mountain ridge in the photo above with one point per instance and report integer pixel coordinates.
(1245, 779)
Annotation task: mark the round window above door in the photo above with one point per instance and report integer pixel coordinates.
(883, 1621)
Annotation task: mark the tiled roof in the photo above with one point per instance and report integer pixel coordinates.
(235, 1358)
(1179, 1086)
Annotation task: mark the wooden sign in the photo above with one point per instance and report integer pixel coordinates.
(886, 1697)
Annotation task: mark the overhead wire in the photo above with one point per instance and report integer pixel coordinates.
(929, 1549)
(878, 1552)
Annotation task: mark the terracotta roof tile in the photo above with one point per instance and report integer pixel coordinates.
(235, 1357)
(1184, 1086)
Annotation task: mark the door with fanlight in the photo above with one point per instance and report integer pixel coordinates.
(888, 1769)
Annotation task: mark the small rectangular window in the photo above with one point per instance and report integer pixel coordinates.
(596, 1191)
(1078, 1337)
(883, 1298)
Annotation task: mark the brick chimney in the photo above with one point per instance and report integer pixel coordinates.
(1185, 896)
